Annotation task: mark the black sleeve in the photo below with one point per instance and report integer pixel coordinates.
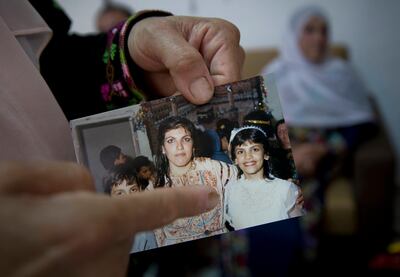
(71, 64)
(93, 73)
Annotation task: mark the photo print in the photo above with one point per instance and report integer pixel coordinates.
(236, 144)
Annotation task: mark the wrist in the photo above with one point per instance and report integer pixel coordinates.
(122, 74)
(131, 38)
(128, 42)
(133, 22)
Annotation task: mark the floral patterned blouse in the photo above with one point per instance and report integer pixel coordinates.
(204, 172)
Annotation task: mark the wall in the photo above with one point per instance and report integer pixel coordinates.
(368, 27)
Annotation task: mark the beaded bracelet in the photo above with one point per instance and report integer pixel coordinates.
(121, 89)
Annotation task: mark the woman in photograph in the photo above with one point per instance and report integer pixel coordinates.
(177, 165)
(257, 197)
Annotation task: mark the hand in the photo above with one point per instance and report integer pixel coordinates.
(297, 209)
(52, 224)
(300, 199)
(307, 156)
(187, 54)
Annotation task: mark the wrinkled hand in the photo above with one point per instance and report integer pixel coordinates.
(187, 54)
(53, 224)
(307, 156)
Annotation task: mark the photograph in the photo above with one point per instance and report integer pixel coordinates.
(237, 144)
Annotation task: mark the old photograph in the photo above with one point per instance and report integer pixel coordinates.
(237, 144)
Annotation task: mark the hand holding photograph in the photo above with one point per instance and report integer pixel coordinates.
(237, 144)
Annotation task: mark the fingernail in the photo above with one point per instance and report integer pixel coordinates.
(212, 200)
(201, 89)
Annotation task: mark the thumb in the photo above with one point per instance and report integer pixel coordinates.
(188, 70)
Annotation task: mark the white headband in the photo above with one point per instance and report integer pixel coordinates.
(237, 130)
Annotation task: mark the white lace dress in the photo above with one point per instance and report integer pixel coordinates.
(249, 203)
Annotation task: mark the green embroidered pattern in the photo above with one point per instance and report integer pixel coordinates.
(113, 50)
(107, 54)
(105, 57)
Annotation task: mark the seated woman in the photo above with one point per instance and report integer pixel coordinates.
(326, 108)
(325, 103)
(256, 197)
(177, 166)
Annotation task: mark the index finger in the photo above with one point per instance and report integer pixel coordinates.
(153, 209)
(120, 218)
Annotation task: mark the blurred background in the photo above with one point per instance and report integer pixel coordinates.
(368, 28)
(368, 31)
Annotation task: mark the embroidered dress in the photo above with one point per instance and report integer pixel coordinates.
(254, 202)
(204, 172)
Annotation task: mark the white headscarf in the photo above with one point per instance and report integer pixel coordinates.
(327, 94)
(32, 125)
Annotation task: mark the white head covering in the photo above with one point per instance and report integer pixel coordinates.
(32, 125)
(327, 94)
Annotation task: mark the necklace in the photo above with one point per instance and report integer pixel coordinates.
(190, 168)
(184, 178)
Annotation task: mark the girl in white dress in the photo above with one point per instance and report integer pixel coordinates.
(256, 197)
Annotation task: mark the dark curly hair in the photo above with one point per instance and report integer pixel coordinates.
(162, 163)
